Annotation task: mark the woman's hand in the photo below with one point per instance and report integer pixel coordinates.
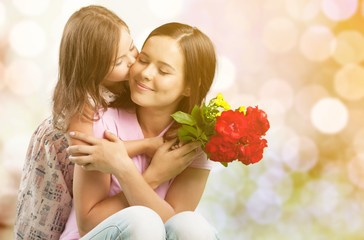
(105, 155)
(167, 163)
(153, 144)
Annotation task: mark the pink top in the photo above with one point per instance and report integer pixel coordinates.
(126, 126)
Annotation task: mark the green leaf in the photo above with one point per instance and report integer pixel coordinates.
(225, 164)
(186, 133)
(190, 130)
(197, 115)
(186, 139)
(183, 118)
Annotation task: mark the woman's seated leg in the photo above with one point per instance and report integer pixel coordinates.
(189, 226)
(136, 223)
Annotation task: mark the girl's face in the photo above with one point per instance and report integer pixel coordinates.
(157, 76)
(126, 56)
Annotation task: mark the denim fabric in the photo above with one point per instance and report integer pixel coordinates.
(141, 223)
(136, 223)
(189, 226)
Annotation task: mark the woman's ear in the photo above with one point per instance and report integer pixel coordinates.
(187, 92)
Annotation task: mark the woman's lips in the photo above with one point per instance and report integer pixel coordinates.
(143, 87)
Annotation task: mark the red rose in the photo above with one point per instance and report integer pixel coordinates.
(257, 121)
(252, 152)
(231, 124)
(221, 150)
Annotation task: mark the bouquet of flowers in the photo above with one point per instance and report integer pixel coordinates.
(226, 135)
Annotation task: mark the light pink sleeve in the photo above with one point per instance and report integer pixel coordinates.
(201, 161)
(107, 121)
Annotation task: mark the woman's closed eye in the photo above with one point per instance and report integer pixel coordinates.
(142, 60)
(163, 72)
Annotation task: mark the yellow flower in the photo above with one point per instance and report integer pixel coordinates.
(242, 109)
(220, 102)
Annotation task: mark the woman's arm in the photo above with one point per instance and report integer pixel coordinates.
(184, 193)
(90, 187)
(165, 165)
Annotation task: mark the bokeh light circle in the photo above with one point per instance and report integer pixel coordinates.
(264, 206)
(349, 48)
(300, 153)
(307, 96)
(349, 82)
(303, 10)
(27, 38)
(329, 115)
(322, 197)
(23, 77)
(317, 43)
(280, 35)
(355, 170)
(338, 10)
(31, 8)
(277, 179)
(358, 141)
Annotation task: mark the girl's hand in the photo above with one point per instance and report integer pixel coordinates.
(167, 163)
(105, 155)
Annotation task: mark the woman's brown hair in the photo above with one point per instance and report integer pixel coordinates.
(87, 51)
(199, 65)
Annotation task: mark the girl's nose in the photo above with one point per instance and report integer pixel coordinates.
(132, 57)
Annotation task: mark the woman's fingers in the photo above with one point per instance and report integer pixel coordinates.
(80, 150)
(80, 160)
(83, 137)
(189, 147)
(168, 144)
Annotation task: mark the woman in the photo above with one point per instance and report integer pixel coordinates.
(174, 71)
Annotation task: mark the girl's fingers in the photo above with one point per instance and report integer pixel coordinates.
(84, 137)
(110, 136)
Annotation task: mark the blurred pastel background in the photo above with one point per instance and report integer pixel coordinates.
(300, 60)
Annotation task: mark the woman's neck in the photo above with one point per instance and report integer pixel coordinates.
(152, 121)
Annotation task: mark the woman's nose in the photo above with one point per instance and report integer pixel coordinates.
(147, 72)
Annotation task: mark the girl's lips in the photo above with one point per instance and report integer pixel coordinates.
(142, 86)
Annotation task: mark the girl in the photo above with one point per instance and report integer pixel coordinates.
(174, 71)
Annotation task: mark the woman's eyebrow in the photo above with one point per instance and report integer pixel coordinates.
(167, 65)
(159, 62)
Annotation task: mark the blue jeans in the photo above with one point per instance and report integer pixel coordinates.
(142, 223)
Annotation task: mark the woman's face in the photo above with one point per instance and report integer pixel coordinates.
(157, 76)
(125, 57)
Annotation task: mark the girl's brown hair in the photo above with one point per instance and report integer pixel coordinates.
(87, 51)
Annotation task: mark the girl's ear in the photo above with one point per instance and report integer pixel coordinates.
(187, 92)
